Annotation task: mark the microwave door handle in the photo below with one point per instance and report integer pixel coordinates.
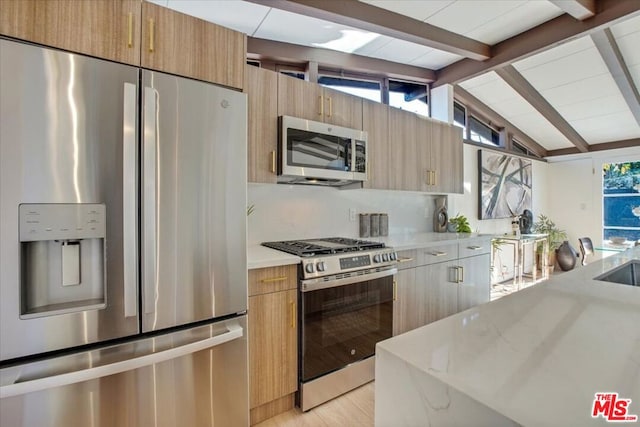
(149, 196)
(233, 331)
(129, 208)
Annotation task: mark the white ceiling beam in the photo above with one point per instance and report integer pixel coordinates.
(579, 9)
(364, 16)
(514, 79)
(608, 48)
(546, 35)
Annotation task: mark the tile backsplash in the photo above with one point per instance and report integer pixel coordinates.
(285, 212)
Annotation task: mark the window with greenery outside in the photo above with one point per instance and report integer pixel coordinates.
(621, 200)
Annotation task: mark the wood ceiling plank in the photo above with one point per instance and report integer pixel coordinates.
(606, 44)
(579, 9)
(544, 36)
(514, 79)
(364, 16)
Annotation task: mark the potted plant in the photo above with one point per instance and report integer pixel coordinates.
(555, 237)
(459, 224)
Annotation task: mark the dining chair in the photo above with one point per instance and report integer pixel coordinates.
(586, 248)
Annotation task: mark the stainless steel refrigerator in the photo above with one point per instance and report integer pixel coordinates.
(123, 281)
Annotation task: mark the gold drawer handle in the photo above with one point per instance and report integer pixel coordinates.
(151, 35)
(474, 248)
(274, 279)
(433, 181)
(330, 107)
(273, 162)
(321, 101)
(395, 290)
(405, 259)
(437, 253)
(293, 314)
(130, 36)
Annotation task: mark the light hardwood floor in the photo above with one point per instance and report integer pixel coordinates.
(353, 409)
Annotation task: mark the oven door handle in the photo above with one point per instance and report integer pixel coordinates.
(319, 283)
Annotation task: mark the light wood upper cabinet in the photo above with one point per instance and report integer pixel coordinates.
(299, 98)
(424, 158)
(375, 120)
(181, 44)
(446, 158)
(261, 87)
(403, 173)
(342, 109)
(108, 29)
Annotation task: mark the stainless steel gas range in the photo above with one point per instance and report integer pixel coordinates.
(345, 302)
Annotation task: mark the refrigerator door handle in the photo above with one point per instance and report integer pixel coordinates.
(129, 219)
(149, 196)
(234, 331)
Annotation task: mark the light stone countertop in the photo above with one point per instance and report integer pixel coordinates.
(260, 257)
(535, 358)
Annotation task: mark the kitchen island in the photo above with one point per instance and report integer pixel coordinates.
(534, 358)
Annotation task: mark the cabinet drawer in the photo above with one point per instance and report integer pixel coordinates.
(407, 259)
(478, 247)
(439, 253)
(273, 279)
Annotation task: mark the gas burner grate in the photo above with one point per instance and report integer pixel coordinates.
(323, 246)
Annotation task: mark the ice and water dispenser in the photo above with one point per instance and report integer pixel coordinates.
(62, 258)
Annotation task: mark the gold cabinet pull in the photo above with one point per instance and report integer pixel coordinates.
(293, 314)
(474, 248)
(428, 177)
(274, 279)
(321, 109)
(460, 271)
(433, 181)
(130, 35)
(151, 35)
(405, 259)
(273, 162)
(395, 290)
(437, 253)
(330, 106)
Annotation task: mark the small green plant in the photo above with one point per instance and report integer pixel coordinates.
(462, 224)
(555, 236)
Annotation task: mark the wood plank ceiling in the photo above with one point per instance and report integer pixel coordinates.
(561, 75)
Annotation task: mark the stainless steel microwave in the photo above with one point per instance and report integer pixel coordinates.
(320, 153)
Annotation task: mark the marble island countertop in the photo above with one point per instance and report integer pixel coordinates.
(534, 358)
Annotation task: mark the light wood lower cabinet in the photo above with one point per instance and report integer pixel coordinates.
(475, 283)
(108, 29)
(273, 345)
(440, 285)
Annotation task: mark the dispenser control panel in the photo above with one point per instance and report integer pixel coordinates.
(62, 221)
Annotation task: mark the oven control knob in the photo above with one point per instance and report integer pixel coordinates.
(320, 266)
(308, 268)
(376, 258)
(385, 257)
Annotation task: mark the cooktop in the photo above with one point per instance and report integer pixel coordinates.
(323, 246)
